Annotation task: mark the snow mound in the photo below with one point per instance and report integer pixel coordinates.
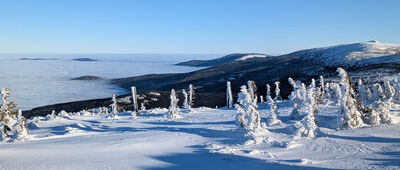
(353, 54)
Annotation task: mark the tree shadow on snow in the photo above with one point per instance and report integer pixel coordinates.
(393, 160)
(200, 158)
(362, 139)
(191, 123)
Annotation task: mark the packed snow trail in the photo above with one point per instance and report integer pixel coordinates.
(204, 138)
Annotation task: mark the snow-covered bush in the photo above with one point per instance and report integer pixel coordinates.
(272, 117)
(229, 96)
(248, 117)
(277, 91)
(350, 116)
(295, 112)
(173, 111)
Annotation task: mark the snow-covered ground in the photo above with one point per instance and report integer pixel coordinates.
(204, 138)
(35, 83)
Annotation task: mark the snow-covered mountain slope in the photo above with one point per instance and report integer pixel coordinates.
(204, 138)
(352, 54)
(224, 60)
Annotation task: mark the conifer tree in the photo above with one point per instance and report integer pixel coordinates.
(173, 111)
(277, 91)
(229, 96)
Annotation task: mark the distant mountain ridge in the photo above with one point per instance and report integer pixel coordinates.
(223, 60)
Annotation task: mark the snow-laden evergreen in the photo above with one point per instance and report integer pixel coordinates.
(229, 96)
(186, 99)
(173, 111)
(191, 95)
(307, 126)
(277, 91)
(268, 97)
(252, 89)
(349, 115)
(272, 117)
(115, 108)
(135, 99)
(248, 116)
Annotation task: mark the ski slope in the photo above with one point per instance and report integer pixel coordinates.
(204, 138)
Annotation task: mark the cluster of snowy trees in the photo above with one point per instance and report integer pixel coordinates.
(358, 104)
(12, 123)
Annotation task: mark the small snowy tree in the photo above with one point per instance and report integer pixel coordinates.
(272, 117)
(268, 97)
(322, 90)
(389, 90)
(135, 99)
(349, 116)
(262, 99)
(277, 91)
(364, 93)
(8, 109)
(248, 117)
(307, 125)
(20, 126)
(377, 92)
(252, 89)
(114, 106)
(229, 96)
(173, 111)
(191, 95)
(186, 99)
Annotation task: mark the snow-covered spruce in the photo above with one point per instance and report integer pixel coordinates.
(12, 123)
(248, 116)
(268, 97)
(173, 111)
(272, 117)
(186, 99)
(321, 89)
(295, 112)
(307, 126)
(277, 91)
(229, 96)
(377, 92)
(252, 89)
(191, 95)
(115, 108)
(364, 93)
(135, 99)
(350, 116)
(389, 90)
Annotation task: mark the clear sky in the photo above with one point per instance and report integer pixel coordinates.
(192, 26)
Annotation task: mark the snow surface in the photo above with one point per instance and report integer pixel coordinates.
(354, 54)
(251, 56)
(204, 138)
(36, 83)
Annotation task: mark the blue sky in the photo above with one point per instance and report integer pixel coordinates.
(192, 26)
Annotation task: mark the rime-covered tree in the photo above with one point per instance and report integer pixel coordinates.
(248, 117)
(135, 99)
(252, 89)
(389, 90)
(364, 93)
(272, 117)
(173, 111)
(268, 97)
(20, 130)
(377, 92)
(307, 125)
(350, 116)
(114, 106)
(191, 95)
(229, 96)
(322, 90)
(277, 91)
(186, 99)
(8, 110)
